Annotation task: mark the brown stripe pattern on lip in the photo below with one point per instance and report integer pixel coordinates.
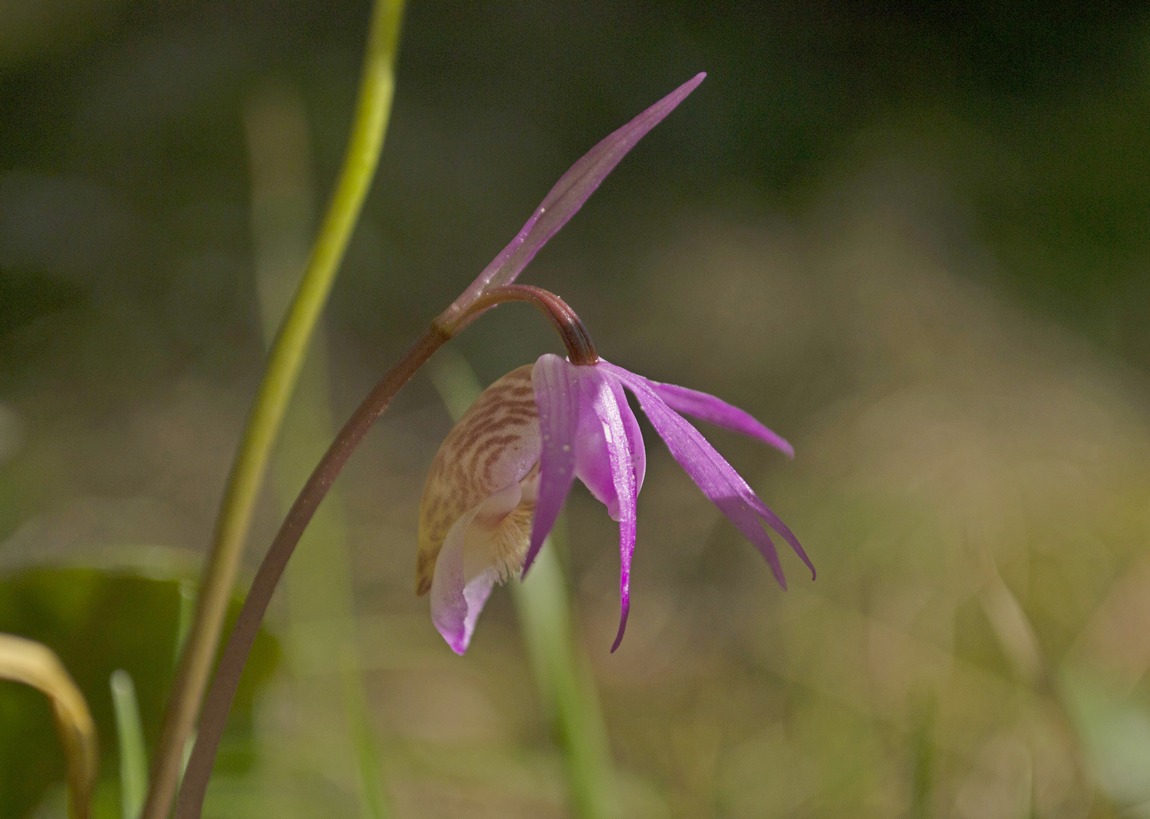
(494, 444)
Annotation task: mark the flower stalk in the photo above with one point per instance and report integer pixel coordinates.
(227, 676)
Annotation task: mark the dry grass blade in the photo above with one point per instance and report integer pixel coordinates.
(31, 663)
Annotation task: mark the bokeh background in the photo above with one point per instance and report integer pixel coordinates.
(913, 240)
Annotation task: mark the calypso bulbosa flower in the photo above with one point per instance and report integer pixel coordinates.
(503, 472)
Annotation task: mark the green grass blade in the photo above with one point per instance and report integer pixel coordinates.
(373, 792)
(130, 734)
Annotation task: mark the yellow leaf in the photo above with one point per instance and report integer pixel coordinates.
(31, 663)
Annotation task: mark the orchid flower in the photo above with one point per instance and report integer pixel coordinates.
(500, 477)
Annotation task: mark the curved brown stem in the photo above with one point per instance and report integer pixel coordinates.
(575, 337)
(227, 676)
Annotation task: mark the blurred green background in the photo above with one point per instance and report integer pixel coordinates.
(913, 240)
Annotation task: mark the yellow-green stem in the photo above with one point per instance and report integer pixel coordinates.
(365, 143)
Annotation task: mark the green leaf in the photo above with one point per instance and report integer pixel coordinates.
(97, 622)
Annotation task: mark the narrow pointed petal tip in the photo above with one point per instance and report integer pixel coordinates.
(575, 187)
(716, 411)
(624, 611)
(570, 193)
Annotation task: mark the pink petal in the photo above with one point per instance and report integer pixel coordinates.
(776, 523)
(616, 446)
(592, 464)
(459, 591)
(717, 479)
(557, 388)
(716, 411)
(571, 191)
